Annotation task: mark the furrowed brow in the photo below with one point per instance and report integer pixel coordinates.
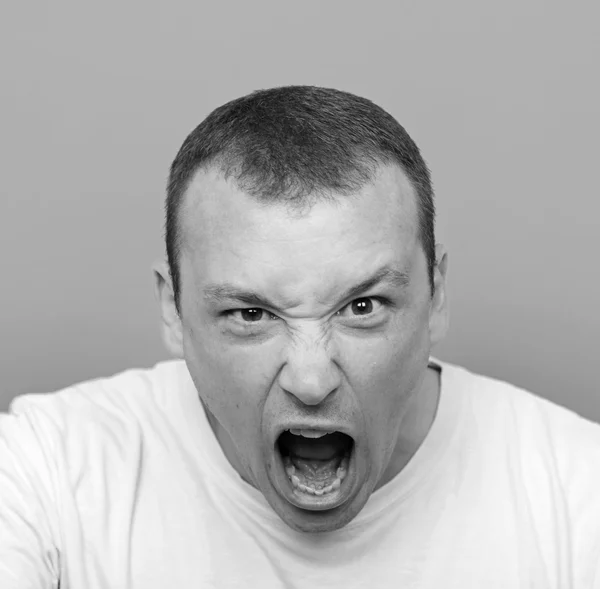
(385, 275)
(221, 293)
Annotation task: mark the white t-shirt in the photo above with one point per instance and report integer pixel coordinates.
(120, 483)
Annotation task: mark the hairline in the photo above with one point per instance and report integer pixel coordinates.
(300, 207)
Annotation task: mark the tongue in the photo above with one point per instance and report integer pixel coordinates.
(316, 459)
(316, 470)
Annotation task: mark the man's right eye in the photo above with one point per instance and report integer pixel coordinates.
(252, 315)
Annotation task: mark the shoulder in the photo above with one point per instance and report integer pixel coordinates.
(118, 396)
(60, 451)
(77, 430)
(502, 405)
(92, 412)
(557, 452)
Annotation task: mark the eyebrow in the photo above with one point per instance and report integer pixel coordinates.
(217, 293)
(388, 275)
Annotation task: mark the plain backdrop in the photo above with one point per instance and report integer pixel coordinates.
(502, 97)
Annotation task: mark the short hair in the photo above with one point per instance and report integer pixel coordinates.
(294, 144)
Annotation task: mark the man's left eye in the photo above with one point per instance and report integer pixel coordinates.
(364, 306)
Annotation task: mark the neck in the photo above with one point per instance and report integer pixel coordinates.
(415, 425)
(226, 444)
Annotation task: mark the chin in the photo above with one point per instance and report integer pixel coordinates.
(311, 521)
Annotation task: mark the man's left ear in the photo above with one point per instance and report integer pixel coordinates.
(172, 329)
(439, 312)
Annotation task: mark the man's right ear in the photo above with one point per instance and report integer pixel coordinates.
(172, 329)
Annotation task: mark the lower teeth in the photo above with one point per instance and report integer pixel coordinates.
(341, 473)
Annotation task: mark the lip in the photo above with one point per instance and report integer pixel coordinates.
(320, 427)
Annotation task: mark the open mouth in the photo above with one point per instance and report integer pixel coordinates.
(316, 462)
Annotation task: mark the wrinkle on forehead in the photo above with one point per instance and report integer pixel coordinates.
(217, 201)
(303, 260)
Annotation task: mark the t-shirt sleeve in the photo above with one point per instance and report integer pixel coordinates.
(579, 458)
(586, 521)
(29, 555)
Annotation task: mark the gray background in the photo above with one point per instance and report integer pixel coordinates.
(503, 98)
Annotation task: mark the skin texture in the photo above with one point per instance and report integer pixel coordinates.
(312, 358)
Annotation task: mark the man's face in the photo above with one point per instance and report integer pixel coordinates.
(299, 325)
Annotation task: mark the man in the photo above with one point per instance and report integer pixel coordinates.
(305, 437)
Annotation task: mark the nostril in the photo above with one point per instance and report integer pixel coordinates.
(310, 396)
(311, 387)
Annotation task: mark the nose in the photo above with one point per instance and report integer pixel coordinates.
(309, 373)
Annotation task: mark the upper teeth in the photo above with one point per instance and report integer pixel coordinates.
(310, 433)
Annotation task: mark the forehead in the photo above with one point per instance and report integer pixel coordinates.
(230, 236)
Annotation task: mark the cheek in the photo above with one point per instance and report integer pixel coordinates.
(233, 380)
(384, 373)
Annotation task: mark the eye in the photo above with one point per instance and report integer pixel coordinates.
(363, 307)
(251, 315)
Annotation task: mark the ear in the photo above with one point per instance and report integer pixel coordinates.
(439, 312)
(172, 329)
